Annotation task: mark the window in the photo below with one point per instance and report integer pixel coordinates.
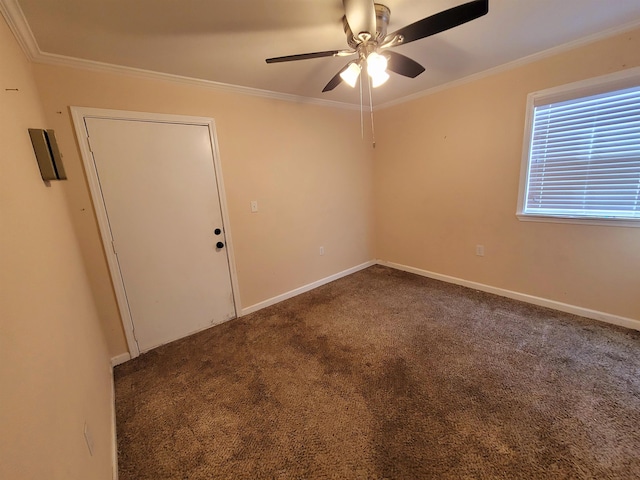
(581, 160)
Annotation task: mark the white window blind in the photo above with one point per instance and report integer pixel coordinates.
(584, 157)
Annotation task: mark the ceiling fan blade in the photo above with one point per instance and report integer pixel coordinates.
(361, 16)
(403, 65)
(304, 56)
(443, 21)
(336, 80)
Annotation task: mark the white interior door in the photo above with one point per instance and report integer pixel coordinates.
(160, 194)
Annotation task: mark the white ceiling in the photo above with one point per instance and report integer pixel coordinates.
(228, 41)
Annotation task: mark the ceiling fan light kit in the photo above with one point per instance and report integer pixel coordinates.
(372, 44)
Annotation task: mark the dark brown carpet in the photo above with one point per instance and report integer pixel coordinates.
(384, 374)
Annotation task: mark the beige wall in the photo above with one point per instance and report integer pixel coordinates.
(447, 168)
(54, 364)
(305, 164)
(445, 179)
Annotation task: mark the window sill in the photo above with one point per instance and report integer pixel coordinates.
(609, 222)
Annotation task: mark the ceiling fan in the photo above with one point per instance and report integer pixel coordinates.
(365, 24)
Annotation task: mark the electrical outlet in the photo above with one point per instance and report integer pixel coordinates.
(480, 250)
(254, 206)
(321, 251)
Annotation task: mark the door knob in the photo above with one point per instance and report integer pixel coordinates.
(219, 245)
(217, 231)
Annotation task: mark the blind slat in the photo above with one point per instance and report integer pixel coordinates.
(584, 157)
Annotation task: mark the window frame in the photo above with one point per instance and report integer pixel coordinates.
(593, 86)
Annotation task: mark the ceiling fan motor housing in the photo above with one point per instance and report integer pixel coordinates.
(382, 21)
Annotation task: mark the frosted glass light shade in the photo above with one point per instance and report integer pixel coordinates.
(350, 74)
(379, 78)
(376, 64)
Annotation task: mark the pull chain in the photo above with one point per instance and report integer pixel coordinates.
(361, 112)
(373, 132)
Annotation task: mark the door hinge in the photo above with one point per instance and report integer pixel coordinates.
(113, 246)
(89, 143)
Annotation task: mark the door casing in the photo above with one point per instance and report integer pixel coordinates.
(78, 115)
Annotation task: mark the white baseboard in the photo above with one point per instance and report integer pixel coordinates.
(118, 359)
(306, 288)
(523, 297)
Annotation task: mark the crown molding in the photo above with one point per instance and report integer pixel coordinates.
(18, 25)
(62, 60)
(22, 31)
(20, 28)
(611, 32)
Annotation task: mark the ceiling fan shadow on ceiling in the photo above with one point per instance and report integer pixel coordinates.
(365, 24)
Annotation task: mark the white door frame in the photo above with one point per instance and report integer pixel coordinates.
(79, 114)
